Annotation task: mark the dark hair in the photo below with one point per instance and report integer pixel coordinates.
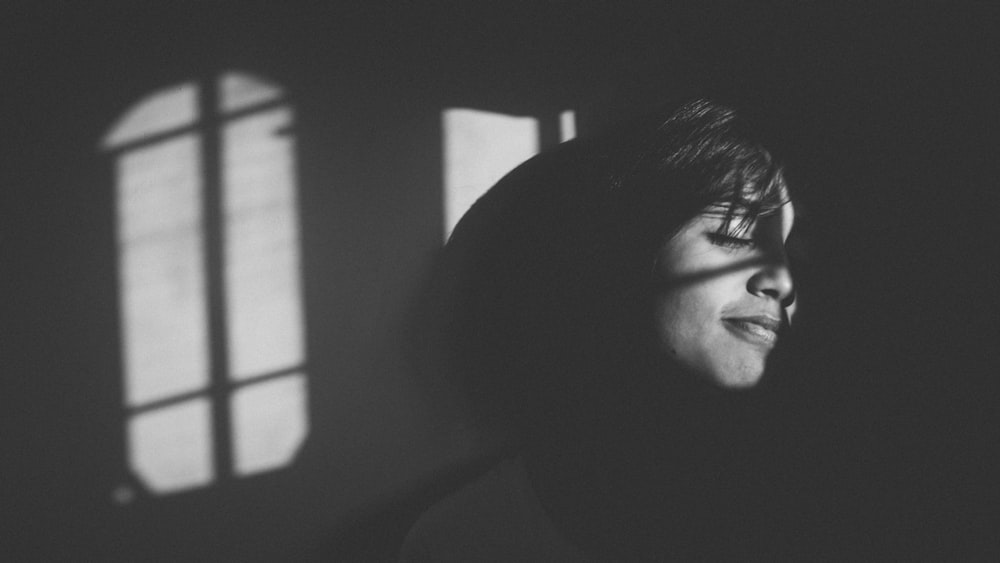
(539, 294)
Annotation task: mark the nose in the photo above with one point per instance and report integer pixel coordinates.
(774, 280)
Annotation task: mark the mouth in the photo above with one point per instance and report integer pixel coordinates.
(761, 330)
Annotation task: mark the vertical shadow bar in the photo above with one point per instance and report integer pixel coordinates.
(214, 274)
(548, 130)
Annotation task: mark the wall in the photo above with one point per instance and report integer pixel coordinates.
(368, 86)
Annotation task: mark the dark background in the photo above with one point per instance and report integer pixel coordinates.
(892, 112)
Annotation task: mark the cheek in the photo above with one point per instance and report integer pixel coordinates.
(683, 319)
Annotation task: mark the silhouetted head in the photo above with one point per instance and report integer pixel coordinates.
(650, 256)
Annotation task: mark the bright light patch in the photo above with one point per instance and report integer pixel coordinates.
(269, 423)
(161, 111)
(567, 125)
(162, 187)
(170, 448)
(261, 246)
(480, 147)
(162, 271)
(238, 91)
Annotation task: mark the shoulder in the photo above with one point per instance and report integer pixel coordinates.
(497, 517)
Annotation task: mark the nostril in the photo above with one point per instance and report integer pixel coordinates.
(788, 300)
(773, 281)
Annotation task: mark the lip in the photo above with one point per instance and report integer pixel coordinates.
(762, 330)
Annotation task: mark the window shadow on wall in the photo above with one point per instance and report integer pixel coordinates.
(211, 315)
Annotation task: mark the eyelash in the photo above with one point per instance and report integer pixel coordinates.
(728, 241)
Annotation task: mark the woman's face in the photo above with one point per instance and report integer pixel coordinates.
(725, 299)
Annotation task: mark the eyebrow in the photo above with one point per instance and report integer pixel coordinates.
(726, 225)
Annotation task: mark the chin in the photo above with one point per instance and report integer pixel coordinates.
(738, 377)
(742, 382)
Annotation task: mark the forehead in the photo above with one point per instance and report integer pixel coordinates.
(785, 216)
(751, 198)
(739, 220)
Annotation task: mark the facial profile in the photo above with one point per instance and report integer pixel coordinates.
(660, 238)
(725, 295)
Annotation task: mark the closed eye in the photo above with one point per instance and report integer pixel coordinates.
(729, 241)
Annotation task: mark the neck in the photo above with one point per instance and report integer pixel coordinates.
(651, 469)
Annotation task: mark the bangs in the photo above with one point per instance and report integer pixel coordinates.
(748, 192)
(705, 159)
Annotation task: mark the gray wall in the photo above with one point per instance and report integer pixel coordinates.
(866, 93)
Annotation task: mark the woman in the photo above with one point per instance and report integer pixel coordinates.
(607, 306)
